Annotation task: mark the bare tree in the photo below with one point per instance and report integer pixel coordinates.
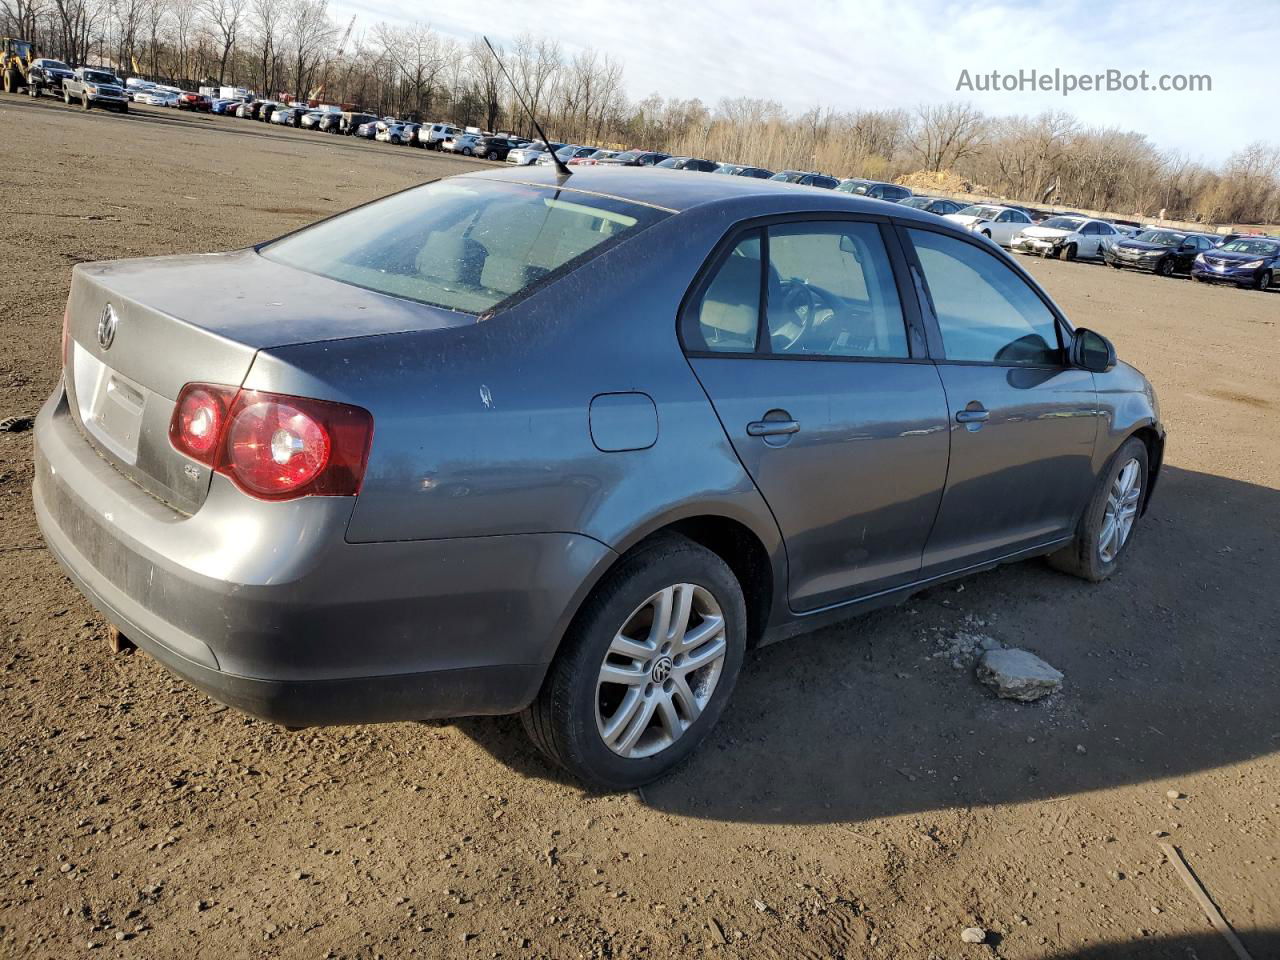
(945, 134)
(224, 16)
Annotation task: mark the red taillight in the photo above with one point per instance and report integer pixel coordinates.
(198, 419)
(272, 446)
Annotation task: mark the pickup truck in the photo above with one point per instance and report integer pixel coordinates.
(95, 88)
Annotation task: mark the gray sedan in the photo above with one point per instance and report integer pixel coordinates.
(506, 443)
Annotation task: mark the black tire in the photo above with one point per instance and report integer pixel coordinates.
(467, 151)
(1262, 281)
(66, 98)
(33, 90)
(123, 108)
(1165, 267)
(11, 84)
(562, 722)
(1068, 252)
(1115, 266)
(1082, 557)
(85, 102)
(491, 155)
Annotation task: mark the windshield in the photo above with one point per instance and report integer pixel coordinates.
(97, 76)
(919, 203)
(54, 65)
(979, 211)
(462, 245)
(1258, 248)
(1160, 237)
(1063, 223)
(630, 154)
(787, 176)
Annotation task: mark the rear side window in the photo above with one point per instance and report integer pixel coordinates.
(728, 314)
(986, 312)
(462, 245)
(832, 292)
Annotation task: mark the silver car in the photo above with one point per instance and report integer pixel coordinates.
(506, 443)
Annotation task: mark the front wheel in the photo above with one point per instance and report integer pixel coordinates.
(1165, 267)
(1068, 252)
(1107, 526)
(1263, 280)
(645, 670)
(466, 151)
(491, 155)
(85, 103)
(66, 98)
(33, 90)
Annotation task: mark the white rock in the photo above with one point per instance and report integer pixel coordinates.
(973, 935)
(1018, 675)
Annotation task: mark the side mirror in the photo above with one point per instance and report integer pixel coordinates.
(1092, 351)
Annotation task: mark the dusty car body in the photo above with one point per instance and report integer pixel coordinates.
(525, 455)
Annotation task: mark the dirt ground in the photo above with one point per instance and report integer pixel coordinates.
(863, 797)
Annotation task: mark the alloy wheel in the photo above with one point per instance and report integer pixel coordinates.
(660, 670)
(1121, 511)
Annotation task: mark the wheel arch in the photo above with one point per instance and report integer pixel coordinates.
(757, 561)
(1153, 440)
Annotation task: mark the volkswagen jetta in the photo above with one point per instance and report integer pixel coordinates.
(511, 443)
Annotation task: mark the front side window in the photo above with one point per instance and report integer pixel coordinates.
(831, 292)
(986, 312)
(462, 245)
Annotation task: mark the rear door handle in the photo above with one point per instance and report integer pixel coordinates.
(972, 416)
(772, 428)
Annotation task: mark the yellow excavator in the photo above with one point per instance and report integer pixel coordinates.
(15, 62)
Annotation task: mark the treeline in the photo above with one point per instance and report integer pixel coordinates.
(296, 47)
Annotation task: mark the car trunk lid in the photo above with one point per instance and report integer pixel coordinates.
(138, 330)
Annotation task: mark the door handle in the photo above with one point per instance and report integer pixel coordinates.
(972, 416)
(772, 428)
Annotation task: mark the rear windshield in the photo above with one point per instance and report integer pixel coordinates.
(464, 245)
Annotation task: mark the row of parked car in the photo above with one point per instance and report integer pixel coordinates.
(1246, 260)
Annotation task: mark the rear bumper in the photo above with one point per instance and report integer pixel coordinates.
(271, 611)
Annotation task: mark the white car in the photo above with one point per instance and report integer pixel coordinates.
(529, 154)
(463, 143)
(433, 137)
(1000, 224)
(1067, 238)
(160, 98)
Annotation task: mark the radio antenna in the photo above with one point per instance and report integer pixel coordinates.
(562, 171)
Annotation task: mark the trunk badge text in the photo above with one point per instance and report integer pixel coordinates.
(107, 327)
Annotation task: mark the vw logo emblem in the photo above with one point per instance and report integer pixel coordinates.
(661, 670)
(107, 324)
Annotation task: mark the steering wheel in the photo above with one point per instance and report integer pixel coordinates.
(803, 301)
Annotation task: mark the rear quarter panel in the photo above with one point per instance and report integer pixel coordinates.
(484, 429)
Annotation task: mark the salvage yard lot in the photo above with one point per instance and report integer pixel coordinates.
(863, 796)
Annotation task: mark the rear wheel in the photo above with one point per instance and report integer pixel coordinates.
(645, 670)
(1107, 526)
(33, 90)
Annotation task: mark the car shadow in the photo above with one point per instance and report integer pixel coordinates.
(1166, 665)
(1260, 944)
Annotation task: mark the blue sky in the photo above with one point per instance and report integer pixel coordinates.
(874, 53)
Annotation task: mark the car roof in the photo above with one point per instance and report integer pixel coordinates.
(672, 190)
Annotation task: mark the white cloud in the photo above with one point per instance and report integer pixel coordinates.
(880, 54)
